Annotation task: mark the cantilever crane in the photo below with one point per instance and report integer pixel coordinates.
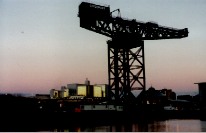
(126, 65)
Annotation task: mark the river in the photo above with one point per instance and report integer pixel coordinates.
(172, 125)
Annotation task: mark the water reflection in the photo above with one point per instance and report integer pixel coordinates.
(175, 125)
(203, 126)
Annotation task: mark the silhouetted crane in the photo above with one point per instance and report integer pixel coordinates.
(126, 65)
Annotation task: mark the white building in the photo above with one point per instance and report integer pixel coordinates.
(54, 94)
(87, 90)
(64, 92)
(81, 89)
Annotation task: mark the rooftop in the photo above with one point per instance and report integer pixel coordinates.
(200, 83)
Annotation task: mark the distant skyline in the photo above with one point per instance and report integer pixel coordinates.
(43, 47)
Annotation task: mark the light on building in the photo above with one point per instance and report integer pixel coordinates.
(97, 91)
(82, 91)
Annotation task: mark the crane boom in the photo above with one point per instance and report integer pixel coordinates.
(100, 20)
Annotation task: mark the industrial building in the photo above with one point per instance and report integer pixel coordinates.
(85, 90)
(97, 90)
(80, 90)
(63, 93)
(101, 108)
(100, 90)
(202, 92)
(54, 94)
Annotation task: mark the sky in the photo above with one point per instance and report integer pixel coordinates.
(43, 47)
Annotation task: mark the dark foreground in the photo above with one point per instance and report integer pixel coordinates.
(30, 114)
(27, 122)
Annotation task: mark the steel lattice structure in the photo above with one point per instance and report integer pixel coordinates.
(126, 69)
(126, 65)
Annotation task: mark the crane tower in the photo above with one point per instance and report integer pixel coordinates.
(126, 63)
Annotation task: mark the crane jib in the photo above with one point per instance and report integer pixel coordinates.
(98, 18)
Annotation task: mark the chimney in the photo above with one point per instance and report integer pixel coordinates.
(87, 82)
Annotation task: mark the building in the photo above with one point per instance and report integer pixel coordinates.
(160, 96)
(155, 96)
(202, 92)
(64, 92)
(42, 96)
(97, 91)
(169, 93)
(87, 82)
(77, 89)
(72, 89)
(87, 90)
(80, 90)
(101, 108)
(100, 90)
(54, 94)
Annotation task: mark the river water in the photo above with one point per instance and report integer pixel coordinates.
(172, 125)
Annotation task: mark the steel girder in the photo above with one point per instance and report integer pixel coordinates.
(126, 69)
(116, 27)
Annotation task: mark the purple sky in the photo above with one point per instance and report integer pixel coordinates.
(42, 46)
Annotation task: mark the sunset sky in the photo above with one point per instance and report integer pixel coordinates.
(42, 45)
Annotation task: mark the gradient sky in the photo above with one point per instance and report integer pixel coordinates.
(42, 46)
